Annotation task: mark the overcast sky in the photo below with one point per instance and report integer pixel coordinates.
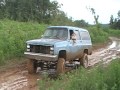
(77, 9)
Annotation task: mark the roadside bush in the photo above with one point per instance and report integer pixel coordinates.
(13, 36)
(113, 32)
(98, 36)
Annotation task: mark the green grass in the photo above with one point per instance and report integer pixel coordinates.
(98, 36)
(99, 78)
(113, 32)
(13, 36)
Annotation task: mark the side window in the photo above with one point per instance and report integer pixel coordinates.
(85, 35)
(76, 33)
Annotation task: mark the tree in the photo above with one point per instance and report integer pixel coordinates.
(2, 5)
(41, 11)
(96, 17)
(119, 14)
(61, 19)
(32, 10)
(111, 20)
(80, 23)
(115, 23)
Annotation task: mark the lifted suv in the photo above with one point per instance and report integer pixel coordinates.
(58, 45)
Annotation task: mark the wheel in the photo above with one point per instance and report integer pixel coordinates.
(84, 61)
(32, 66)
(61, 66)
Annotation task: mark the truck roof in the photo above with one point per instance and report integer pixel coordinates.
(68, 27)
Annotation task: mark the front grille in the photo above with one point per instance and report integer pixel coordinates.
(40, 49)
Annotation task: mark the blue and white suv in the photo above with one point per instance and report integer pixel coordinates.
(58, 45)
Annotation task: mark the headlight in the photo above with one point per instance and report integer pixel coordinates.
(28, 47)
(51, 48)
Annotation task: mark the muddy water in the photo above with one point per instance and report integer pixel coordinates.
(105, 55)
(18, 78)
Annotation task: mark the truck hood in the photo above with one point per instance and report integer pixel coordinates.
(45, 42)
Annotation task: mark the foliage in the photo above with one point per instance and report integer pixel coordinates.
(13, 36)
(42, 11)
(34, 10)
(80, 23)
(98, 36)
(99, 78)
(61, 19)
(115, 23)
(113, 32)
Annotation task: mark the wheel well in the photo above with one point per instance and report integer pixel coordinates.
(62, 54)
(86, 51)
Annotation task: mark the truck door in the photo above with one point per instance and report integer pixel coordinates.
(74, 45)
(79, 44)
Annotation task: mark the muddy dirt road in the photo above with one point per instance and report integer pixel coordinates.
(17, 78)
(105, 55)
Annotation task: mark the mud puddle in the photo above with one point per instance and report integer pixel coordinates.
(105, 55)
(19, 79)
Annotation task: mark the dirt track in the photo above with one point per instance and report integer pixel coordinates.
(17, 78)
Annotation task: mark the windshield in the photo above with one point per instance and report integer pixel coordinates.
(56, 33)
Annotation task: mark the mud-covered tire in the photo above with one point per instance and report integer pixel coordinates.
(84, 60)
(31, 66)
(60, 66)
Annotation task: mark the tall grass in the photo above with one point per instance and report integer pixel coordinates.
(100, 78)
(113, 32)
(98, 36)
(13, 36)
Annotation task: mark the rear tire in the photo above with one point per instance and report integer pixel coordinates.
(31, 65)
(84, 60)
(61, 66)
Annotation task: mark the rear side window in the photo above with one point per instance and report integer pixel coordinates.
(85, 35)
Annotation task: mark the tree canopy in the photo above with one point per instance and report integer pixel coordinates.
(115, 22)
(42, 11)
(32, 10)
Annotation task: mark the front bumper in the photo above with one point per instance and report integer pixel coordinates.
(40, 56)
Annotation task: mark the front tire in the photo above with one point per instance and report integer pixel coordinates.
(31, 66)
(61, 66)
(84, 61)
